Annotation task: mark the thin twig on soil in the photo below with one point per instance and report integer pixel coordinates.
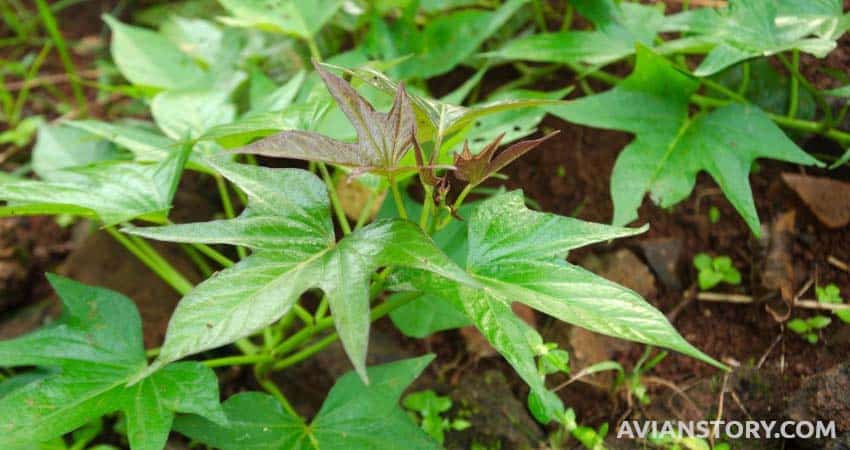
(746, 299)
(838, 263)
(54, 78)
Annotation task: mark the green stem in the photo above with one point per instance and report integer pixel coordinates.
(148, 256)
(335, 203)
(456, 206)
(227, 204)
(197, 259)
(20, 100)
(214, 255)
(794, 88)
(366, 212)
(272, 388)
(239, 360)
(52, 28)
(399, 203)
(377, 312)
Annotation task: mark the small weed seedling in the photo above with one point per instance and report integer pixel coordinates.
(590, 438)
(713, 271)
(430, 408)
(713, 214)
(808, 328)
(831, 294)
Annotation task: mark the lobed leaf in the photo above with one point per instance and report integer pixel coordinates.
(516, 255)
(287, 223)
(97, 347)
(749, 28)
(671, 147)
(354, 416)
(382, 138)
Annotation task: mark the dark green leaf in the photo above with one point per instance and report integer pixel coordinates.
(517, 256)
(97, 344)
(671, 147)
(354, 417)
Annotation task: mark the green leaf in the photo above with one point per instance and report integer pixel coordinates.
(184, 115)
(203, 41)
(445, 42)
(146, 145)
(702, 261)
(427, 315)
(276, 99)
(517, 256)
(61, 147)
(148, 59)
(818, 322)
(114, 192)
(301, 18)
(619, 26)
(708, 279)
(354, 416)
(749, 28)
(798, 326)
(97, 345)
(288, 225)
(671, 147)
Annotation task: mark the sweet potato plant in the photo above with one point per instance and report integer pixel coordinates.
(287, 272)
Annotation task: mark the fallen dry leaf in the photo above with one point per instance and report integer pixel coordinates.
(828, 199)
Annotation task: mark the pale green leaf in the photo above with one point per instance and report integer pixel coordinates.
(148, 59)
(749, 28)
(302, 18)
(61, 147)
(114, 192)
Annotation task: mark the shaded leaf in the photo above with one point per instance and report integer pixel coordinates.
(97, 344)
(354, 417)
(60, 147)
